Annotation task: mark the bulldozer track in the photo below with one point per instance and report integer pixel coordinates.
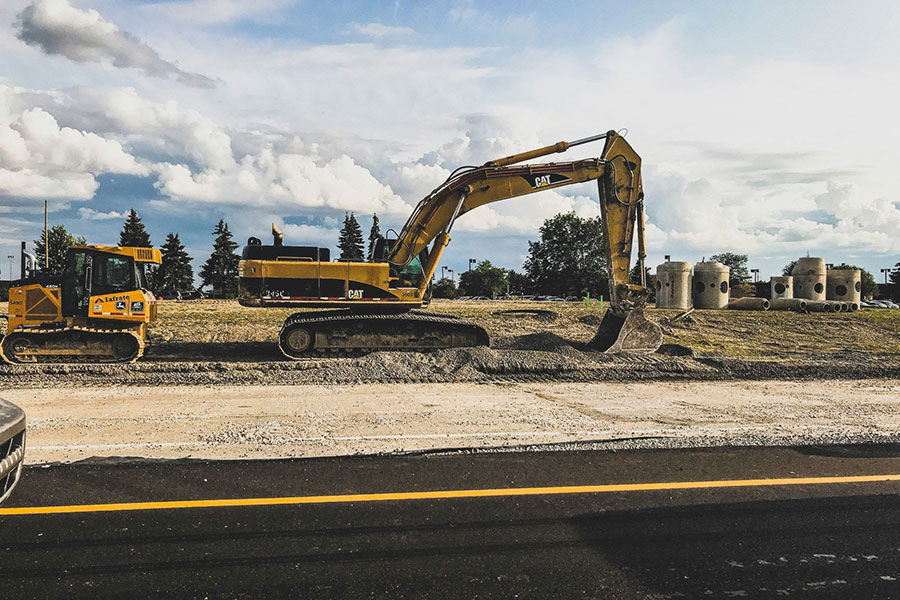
(348, 333)
(41, 335)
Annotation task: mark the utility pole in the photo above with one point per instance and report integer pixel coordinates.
(46, 241)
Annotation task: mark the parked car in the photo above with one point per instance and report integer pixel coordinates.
(192, 295)
(882, 304)
(12, 447)
(168, 296)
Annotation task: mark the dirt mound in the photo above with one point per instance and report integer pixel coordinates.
(543, 340)
(592, 320)
(518, 313)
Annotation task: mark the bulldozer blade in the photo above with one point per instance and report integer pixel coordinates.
(627, 332)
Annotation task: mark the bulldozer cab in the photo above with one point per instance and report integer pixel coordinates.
(92, 272)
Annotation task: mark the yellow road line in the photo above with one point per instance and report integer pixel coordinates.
(447, 494)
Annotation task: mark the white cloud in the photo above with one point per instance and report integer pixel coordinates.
(218, 12)
(309, 234)
(93, 215)
(379, 30)
(56, 27)
(40, 159)
(293, 183)
(740, 152)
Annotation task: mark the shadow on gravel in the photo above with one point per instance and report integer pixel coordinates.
(213, 351)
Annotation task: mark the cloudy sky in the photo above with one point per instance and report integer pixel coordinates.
(766, 128)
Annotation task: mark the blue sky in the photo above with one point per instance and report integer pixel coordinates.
(766, 128)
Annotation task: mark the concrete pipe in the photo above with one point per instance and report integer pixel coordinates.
(711, 285)
(749, 304)
(781, 287)
(673, 285)
(795, 304)
(809, 279)
(819, 306)
(844, 285)
(854, 306)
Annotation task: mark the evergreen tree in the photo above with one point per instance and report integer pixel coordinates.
(133, 232)
(175, 273)
(350, 240)
(60, 240)
(221, 268)
(789, 268)
(374, 236)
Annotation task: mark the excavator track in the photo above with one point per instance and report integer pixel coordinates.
(344, 332)
(77, 344)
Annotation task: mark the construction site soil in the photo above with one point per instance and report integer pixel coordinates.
(222, 343)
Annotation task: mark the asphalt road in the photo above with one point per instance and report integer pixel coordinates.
(822, 540)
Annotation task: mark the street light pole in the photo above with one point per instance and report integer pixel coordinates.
(10, 257)
(443, 272)
(471, 262)
(755, 275)
(451, 275)
(885, 271)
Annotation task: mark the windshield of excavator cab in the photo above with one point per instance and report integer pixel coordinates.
(412, 274)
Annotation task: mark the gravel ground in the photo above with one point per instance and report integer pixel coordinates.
(551, 359)
(221, 342)
(231, 422)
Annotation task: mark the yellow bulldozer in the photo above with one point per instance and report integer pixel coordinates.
(375, 302)
(97, 312)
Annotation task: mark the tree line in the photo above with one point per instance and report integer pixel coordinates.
(174, 274)
(569, 259)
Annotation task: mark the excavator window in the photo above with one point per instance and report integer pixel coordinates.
(411, 274)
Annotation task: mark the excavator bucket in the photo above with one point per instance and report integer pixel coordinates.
(627, 332)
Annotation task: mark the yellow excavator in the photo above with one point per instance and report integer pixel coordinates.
(376, 302)
(96, 313)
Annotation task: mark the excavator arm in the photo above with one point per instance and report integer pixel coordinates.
(617, 171)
